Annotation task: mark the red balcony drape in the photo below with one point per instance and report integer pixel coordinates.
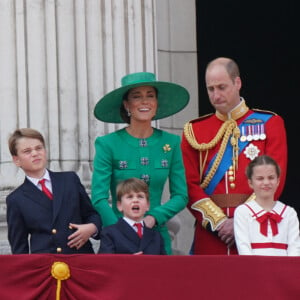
(143, 277)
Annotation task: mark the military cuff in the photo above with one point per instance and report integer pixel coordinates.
(213, 215)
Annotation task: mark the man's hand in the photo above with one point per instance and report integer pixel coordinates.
(226, 233)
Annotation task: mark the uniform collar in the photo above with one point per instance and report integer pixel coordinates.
(240, 110)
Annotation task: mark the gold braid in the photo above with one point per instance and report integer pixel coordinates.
(228, 128)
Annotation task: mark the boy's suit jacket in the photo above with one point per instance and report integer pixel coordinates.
(121, 238)
(37, 224)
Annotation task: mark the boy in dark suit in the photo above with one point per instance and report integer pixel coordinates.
(130, 235)
(50, 212)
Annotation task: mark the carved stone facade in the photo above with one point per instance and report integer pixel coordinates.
(58, 57)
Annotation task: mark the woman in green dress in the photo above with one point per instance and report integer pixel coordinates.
(139, 150)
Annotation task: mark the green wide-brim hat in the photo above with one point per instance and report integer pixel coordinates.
(171, 97)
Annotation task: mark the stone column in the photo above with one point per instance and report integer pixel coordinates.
(57, 58)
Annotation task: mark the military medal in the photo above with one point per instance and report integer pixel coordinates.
(262, 135)
(256, 130)
(243, 137)
(249, 135)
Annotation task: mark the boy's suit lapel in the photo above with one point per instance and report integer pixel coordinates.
(146, 238)
(32, 193)
(129, 232)
(58, 184)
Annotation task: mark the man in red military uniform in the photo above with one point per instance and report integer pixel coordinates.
(216, 150)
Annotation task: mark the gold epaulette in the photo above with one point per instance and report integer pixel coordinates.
(264, 111)
(200, 118)
(211, 213)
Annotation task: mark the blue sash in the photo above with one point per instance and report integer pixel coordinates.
(226, 161)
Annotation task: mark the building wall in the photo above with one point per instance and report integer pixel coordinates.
(177, 62)
(58, 57)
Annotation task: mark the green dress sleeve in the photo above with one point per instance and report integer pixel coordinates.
(177, 184)
(101, 181)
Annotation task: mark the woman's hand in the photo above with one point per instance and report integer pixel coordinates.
(149, 221)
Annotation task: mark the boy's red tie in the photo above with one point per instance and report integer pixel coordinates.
(139, 229)
(45, 189)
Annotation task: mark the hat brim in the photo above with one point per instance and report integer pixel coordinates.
(172, 98)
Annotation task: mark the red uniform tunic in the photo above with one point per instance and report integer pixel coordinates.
(205, 129)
